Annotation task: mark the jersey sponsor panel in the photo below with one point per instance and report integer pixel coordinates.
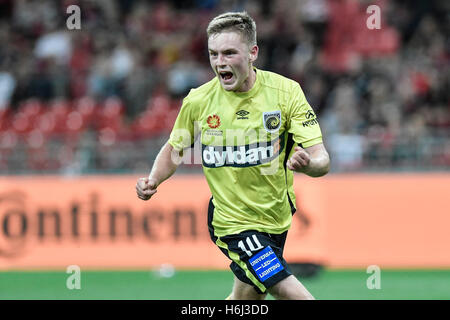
(242, 156)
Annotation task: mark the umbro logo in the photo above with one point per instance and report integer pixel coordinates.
(242, 114)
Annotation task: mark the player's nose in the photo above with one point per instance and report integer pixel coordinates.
(220, 60)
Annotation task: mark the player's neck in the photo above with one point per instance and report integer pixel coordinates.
(248, 84)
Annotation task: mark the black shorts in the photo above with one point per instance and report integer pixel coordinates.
(257, 257)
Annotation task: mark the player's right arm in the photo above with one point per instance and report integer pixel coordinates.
(162, 169)
(168, 159)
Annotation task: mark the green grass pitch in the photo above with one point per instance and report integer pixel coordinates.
(216, 285)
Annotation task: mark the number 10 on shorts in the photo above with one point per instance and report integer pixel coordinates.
(254, 245)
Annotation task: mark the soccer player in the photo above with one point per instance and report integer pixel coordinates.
(256, 128)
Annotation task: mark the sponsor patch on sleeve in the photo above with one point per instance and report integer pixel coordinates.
(265, 263)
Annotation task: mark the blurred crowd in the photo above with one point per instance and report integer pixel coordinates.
(103, 98)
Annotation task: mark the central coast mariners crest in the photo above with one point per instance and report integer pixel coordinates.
(272, 120)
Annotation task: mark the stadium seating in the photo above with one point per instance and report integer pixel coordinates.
(115, 89)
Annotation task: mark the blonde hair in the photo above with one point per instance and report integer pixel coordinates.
(239, 22)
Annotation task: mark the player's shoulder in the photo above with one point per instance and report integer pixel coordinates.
(203, 92)
(277, 81)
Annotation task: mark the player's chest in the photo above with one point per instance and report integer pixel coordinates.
(244, 115)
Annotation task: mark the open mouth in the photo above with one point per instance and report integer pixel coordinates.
(226, 75)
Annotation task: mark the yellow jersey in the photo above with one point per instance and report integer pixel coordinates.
(246, 140)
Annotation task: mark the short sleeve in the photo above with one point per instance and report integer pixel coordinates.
(302, 120)
(183, 131)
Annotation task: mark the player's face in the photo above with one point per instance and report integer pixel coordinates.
(231, 59)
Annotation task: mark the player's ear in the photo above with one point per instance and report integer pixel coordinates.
(253, 53)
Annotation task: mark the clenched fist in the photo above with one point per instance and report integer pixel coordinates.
(146, 188)
(299, 160)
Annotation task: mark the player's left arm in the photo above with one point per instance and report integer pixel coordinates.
(313, 161)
